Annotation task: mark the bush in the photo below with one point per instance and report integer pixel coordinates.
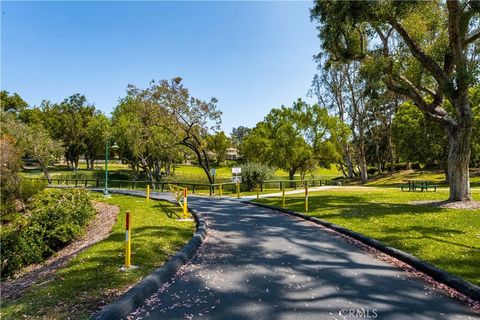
(57, 218)
(29, 188)
(254, 174)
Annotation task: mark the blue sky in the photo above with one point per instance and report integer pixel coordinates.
(251, 56)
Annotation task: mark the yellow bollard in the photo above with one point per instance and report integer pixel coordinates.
(148, 192)
(258, 192)
(220, 190)
(306, 198)
(283, 197)
(128, 234)
(238, 190)
(185, 203)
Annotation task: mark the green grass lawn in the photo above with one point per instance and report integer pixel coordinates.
(181, 173)
(93, 278)
(447, 238)
(434, 176)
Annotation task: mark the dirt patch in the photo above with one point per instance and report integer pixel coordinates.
(465, 205)
(98, 230)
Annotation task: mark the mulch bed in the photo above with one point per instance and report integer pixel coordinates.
(98, 230)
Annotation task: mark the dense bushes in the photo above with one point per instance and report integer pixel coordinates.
(56, 217)
(255, 173)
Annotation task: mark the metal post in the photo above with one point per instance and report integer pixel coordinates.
(148, 192)
(238, 190)
(306, 198)
(128, 234)
(107, 147)
(283, 197)
(185, 203)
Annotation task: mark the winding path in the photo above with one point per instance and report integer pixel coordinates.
(260, 264)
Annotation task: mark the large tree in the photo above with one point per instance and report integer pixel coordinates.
(279, 142)
(96, 134)
(421, 50)
(218, 144)
(188, 120)
(68, 121)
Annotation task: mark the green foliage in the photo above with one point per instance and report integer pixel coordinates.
(30, 187)
(57, 216)
(218, 144)
(68, 122)
(254, 174)
(92, 278)
(12, 103)
(417, 139)
(238, 134)
(475, 103)
(296, 139)
(96, 134)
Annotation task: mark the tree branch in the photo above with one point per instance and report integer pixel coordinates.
(418, 53)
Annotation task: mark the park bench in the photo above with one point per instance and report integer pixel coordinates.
(413, 185)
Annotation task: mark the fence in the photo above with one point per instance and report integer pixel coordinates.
(205, 188)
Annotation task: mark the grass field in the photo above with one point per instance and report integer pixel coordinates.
(93, 278)
(447, 238)
(434, 176)
(184, 173)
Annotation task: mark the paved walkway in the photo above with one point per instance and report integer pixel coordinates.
(260, 264)
(296, 191)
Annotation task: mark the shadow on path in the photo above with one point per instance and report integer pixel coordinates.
(259, 264)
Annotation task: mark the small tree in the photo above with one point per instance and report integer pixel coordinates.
(254, 174)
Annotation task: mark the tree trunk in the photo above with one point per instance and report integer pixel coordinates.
(458, 162)
(348, 161)
(390, 150)
(340, 164)
(361, 160)
(377, 155)
(291, 176)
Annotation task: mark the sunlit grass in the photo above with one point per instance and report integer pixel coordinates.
(447, 238)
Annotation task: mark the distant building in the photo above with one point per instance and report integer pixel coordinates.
(232, 154)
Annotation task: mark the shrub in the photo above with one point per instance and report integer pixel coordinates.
(29, 188)
(57, 218)
(254, 174)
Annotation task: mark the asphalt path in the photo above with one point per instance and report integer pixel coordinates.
(257, 263)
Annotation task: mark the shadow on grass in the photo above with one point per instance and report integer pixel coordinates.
(265, 265)
(94, 279)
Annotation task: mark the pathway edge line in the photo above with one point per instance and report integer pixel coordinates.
(136, 296)
(469, 289)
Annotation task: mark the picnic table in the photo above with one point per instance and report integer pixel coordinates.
(413, 185)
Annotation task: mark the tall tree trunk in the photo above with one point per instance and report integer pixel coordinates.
(291, 176)
(390, 154)
(342, 167)
(458, 162)
(377, 155)
(361, 160)
(348, 161)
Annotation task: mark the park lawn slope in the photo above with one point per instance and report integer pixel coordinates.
(93, 278)
(446, 238)
(433, 176)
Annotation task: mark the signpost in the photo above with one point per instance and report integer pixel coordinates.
(213, 171)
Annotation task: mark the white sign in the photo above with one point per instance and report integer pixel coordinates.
(237, 179)
(236, 170)
(213, 171)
